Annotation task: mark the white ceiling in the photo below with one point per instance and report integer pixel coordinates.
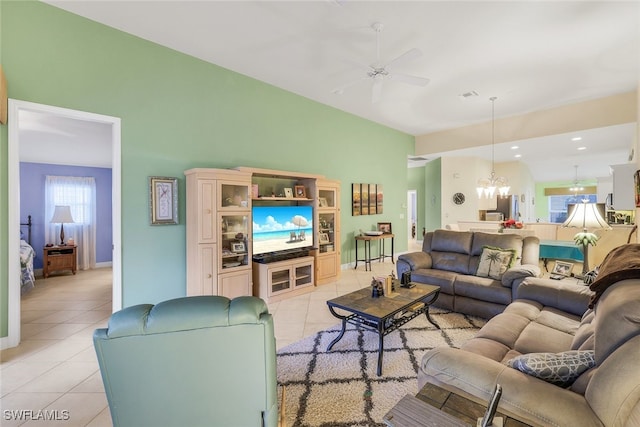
(532, 55)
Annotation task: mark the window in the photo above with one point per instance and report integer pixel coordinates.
(558, 205)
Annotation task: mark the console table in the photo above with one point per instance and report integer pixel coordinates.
(367, 249)
(559, 249)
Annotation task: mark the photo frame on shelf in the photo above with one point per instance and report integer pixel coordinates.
(300, 192)
(322, 202)
(237, 247)
(385, 227)
(561, 269)
(324, 238)
(163, 200)
(288, 193)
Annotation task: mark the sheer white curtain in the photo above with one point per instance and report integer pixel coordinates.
(80, 194)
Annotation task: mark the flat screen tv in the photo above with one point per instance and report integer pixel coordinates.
(282, 228)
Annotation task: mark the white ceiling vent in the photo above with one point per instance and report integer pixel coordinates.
(470, 94)
(418, 159)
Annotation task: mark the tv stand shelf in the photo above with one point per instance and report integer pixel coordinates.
(278, 280)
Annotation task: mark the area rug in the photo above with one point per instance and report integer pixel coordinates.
(340, 388)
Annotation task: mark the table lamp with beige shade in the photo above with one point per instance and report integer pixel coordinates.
(62, 215)
(586, 216)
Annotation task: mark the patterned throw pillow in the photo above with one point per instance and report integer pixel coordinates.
(494, 262)
(561, 369)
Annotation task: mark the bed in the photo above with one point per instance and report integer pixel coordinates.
(27, 254)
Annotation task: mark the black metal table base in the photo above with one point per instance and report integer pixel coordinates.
(385, 325)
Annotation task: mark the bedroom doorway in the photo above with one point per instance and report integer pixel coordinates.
(20, 109)
(412, 221)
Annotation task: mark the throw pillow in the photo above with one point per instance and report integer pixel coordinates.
(494, 262)
(561, 369)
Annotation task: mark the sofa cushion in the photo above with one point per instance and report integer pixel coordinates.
(450, 261)
(441, 278)
(494, 262)
(557, 368)
(482, 288)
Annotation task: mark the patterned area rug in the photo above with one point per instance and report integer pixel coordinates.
(340, 388)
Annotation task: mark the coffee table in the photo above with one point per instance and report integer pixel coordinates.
(383, 315)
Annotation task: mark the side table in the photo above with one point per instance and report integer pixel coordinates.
(437, 407)
(58, 258)
(367, 249)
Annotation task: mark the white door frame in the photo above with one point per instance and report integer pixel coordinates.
(13, 169)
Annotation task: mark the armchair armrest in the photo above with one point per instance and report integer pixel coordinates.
(416, 260)
(519, 272)
(565, 295)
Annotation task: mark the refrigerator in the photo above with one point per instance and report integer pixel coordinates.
(508, 206)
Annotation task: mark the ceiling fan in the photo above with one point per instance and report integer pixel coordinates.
(380, 72)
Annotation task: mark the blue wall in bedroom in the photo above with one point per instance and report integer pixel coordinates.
(32, 194)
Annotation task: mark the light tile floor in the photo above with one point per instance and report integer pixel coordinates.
(54, 369)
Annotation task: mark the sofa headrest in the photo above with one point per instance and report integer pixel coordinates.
(452, 241)
(502, 241)
(186, 313)
(617, 317)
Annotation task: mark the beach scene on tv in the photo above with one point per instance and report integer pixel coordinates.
(278, 228)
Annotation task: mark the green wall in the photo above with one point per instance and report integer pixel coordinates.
(433, 194)
(177, 113)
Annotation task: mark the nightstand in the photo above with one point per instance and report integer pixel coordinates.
(57, 258)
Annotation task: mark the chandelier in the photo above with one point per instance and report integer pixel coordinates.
(487, 186)
(576, 187)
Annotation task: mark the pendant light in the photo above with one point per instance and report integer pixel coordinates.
(487, 186)
(576, 187)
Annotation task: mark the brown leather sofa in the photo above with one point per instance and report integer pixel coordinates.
(450, 259)
(551, 319)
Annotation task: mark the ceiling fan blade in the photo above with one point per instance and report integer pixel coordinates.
(412, 80)
(405, 57)
(340, 89)
(376, 91)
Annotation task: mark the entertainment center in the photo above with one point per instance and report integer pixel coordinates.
(268, 233)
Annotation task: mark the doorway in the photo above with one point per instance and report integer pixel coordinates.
(13, 163)
(412, 221)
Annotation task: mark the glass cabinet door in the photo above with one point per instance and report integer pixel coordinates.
(233, 195)
(326, 198)
(326, 233)
(279, 280)
(234, 241)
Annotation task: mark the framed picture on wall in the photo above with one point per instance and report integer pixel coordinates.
(163, 200)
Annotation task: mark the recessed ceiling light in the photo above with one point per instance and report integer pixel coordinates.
(515, 147)
(576, 138)
(517, 156)
(582, 148)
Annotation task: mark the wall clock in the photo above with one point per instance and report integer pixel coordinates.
(458, 198)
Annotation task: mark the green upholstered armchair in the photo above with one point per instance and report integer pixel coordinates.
(192, 361)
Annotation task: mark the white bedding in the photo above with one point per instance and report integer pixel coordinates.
(27, 278)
